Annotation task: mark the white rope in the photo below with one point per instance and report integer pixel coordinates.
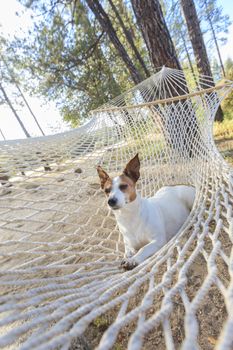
(60, 248)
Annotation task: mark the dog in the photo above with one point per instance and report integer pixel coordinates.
(146, 224)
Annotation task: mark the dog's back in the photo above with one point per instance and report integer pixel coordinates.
(175, 204)
(185, 194)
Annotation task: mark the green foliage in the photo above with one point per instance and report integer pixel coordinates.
(214, 23)
(64, 61)
(211, 13)
(215, 26)
(227, 104)
(216, 69)
(68, 58)
(127, 15)
(229, 68)
(224, 130)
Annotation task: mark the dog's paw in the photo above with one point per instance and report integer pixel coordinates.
(129, 254)
(128, 264)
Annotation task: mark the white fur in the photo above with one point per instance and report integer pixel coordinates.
(117, 193)
(148, 224)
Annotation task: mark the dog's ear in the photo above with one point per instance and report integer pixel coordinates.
(102, 175)
(132, 169)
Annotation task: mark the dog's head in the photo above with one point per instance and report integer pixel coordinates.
(121, 190)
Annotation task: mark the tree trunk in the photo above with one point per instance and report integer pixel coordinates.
(155, 32)
(215, 40)
(107, 26)
(14, 111)
(99, 50)
(162, 52)
(190, 61)
(198, 44)
(219, 54)
(130, 40)
(2, 135)
(22, 95)
(29, 108)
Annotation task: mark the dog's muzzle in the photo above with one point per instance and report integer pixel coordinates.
(112, 202)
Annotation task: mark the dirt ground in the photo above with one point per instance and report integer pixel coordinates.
(58, 188)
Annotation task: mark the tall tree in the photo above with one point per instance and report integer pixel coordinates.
(129, 38)
(155, 32)
(218, 25)
(196, 38)
(7, 100)
(198, 44)
(29, 108)
(21, 94)
(3, 136)
(107, 26)
(179, 34)
(162, 52)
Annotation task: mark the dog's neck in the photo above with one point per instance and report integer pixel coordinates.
(131, 218)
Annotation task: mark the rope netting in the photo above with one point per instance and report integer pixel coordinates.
(61, 285)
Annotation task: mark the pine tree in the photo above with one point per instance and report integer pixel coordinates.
(130, 39)
(162, 52)
(198, 44)
(179, 34)
(21, 94)
(155, 32)
(6, 79)
(217, 25)
(7, 100)
(107, 26)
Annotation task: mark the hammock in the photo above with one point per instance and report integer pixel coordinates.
(61, 286)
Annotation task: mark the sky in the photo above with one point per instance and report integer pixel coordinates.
(47, 113)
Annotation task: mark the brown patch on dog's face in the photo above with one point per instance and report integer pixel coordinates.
(108, 186)
(127, 186)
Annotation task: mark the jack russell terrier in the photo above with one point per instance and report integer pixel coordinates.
(145, 223)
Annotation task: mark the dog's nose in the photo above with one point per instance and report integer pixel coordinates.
(112, 202)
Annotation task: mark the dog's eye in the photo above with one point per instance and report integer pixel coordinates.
(107, 190)
(123, 187)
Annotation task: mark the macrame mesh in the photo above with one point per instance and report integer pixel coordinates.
(61, 286)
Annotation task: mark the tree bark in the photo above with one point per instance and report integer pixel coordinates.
(155, 32)
(130, 39)
(198, 44)
(107, 26)
(162, 52)
(14, 111)
(189, 60)
(196, 38)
